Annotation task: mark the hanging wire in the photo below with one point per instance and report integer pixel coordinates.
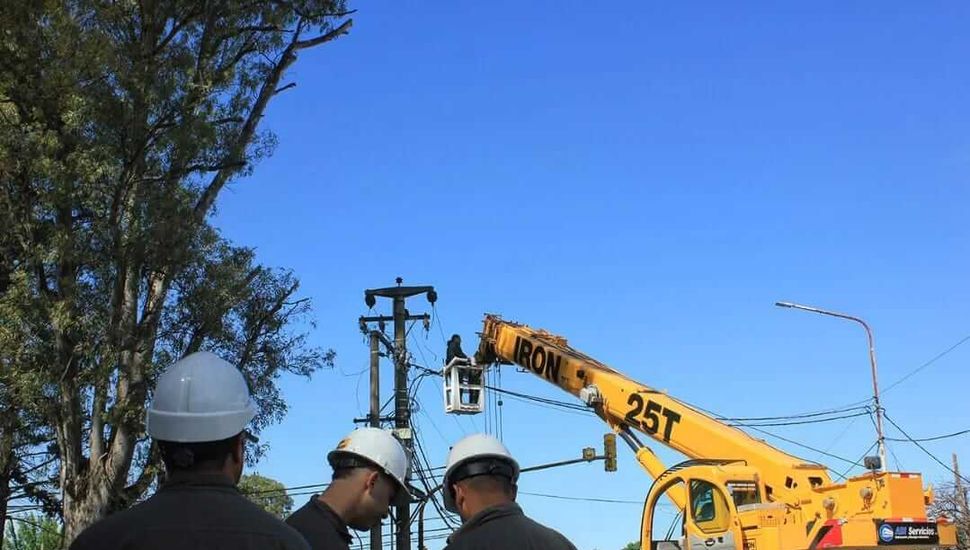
(922, 448)
(926, 364)
(934, 438)
(499, 410)
(858, 462)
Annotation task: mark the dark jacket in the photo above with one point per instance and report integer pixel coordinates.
(192, 512)
(454, 350)
(505, 526)
(320, 526)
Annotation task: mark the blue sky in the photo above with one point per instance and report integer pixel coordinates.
(645, 180)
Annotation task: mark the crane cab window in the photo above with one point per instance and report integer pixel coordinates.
(709, 509)
(744, 492)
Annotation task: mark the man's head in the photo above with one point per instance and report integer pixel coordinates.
(370, 469)
(199, 412)
(481, 473)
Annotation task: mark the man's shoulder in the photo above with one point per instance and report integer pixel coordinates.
(317, 526)
(108, 531)
(510, 528)
(260, 519)
(302, 511)
(306, 515)
(155, 514)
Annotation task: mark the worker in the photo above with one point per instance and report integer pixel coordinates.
(454, 349)
(465, 375)
(198, 418)
(480, 485)
(370, 469)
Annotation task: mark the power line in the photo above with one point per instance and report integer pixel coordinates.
(845, 430)
(802, 445)
(429, 487)
(922, 448)
(800, 422)
(793, 416)
(899, 467)
(583, 499)
(437, 317)
(856, 463)
(926, 364)
(776, 436)
(543, 400)
(286, 489)
(934, 438)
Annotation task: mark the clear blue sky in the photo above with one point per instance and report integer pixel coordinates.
(646, 180)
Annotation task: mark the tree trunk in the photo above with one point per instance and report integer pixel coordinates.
(4, 495)
(7, 465)
(82, 512)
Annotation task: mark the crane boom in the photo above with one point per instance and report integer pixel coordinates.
(621, 401)
(735, 492)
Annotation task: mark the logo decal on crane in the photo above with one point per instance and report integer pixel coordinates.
(651, 412)
(908, 532)
(538, 359)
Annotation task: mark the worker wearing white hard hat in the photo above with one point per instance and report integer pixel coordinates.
(198, 417)
(370, 470)
(480, 485)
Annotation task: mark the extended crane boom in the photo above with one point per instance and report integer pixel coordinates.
(621, 401)
(736, 492)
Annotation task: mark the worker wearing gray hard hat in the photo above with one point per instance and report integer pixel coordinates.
(370, 470)
(480, 485)
(198, 418)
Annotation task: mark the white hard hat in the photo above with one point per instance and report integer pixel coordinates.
(200, 398)
(376, 447)
(475, 455)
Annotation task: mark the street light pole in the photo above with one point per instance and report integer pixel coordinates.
(881, 440)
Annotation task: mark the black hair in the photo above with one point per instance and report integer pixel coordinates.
(490, 484)
(204, 455)
(344, 465)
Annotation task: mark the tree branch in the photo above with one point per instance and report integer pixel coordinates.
(237, 151)
(145, 478)
(97, 421)
(344, 28)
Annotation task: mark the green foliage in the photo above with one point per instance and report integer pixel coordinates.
(635, 545)
(120, 124)
(33, 532)
(268, 493)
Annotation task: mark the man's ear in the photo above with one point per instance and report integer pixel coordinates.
(459, 493)
(371, 480)
(239, 449)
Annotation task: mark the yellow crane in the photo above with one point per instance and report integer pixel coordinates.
(735, 492)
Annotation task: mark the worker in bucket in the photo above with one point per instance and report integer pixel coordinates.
(467, 376)
(370, 469)
(480, 486)
(198, 418)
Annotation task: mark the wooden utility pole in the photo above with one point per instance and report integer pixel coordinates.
(375, 415)
(963, 536)
(402, 402)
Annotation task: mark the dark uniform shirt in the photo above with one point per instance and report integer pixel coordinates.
(192, 512)
(320, 526)
(505, 526)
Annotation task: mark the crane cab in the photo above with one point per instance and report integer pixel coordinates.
(464, 385)
(720, 497)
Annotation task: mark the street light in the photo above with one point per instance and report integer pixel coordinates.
(881, 440)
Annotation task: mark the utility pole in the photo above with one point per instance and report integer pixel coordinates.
(375, 415)
(402, 403)
(880, 437)
(961, 501)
